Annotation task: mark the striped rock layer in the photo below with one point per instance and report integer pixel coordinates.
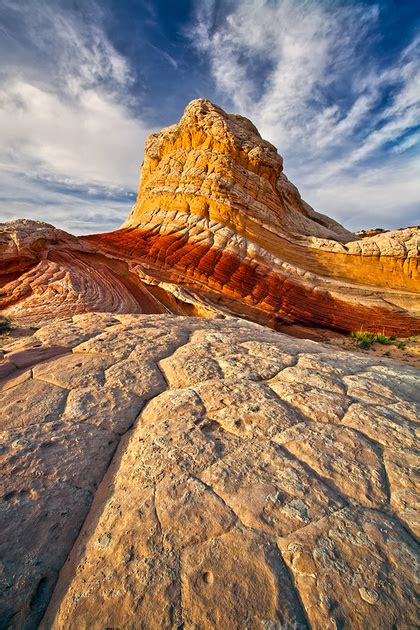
(46, 273)
(217, 219)
(218, 228)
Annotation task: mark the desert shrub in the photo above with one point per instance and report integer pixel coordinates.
(5, 325)
(383, 339)
(366, 339)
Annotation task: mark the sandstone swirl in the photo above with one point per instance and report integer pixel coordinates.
(177, 472)
(217, 228)
(46, 273)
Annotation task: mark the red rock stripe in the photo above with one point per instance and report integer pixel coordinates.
(173, 258)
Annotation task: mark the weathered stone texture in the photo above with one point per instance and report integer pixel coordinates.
(215, 497)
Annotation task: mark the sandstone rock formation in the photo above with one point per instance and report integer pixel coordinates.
(180, 472)
(47, 273)
(217, 217)
(217, 228)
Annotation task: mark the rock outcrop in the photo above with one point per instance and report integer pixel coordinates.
(217, 228)
(217, 219)
(47, 273)
(180, 472)
(164, 471)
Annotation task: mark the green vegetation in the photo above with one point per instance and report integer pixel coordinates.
(383, 339)
(5, 325)
(366, 339)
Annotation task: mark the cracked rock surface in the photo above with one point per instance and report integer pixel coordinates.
(174, 472)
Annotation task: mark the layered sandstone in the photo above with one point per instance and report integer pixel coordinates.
(47, 273)
(217, 220)
(217, 228)
(179, 472)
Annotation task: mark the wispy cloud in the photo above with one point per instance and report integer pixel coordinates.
(66, 118)
(75, 111)
(166, 56)
(306, 75)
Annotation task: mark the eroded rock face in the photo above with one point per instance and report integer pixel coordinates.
(203, 474)
(46, 273)
(217, 220)
(217, 228)
(216, 165)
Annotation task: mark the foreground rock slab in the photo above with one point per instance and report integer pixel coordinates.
(175, 472)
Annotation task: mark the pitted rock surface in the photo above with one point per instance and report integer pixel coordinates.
(168, 472)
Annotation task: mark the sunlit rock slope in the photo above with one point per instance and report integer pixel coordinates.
(171, 472)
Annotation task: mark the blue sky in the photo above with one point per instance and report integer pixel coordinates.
(334, 85)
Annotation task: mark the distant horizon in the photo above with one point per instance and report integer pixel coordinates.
(333, 85)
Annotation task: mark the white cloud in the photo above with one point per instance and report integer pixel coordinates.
(69, 121)
(90, 139)
(71, 143)
(376, 197)
(329, 107)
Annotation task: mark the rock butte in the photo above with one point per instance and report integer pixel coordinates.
(165, 463)
(217, 228)
(180, 472)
